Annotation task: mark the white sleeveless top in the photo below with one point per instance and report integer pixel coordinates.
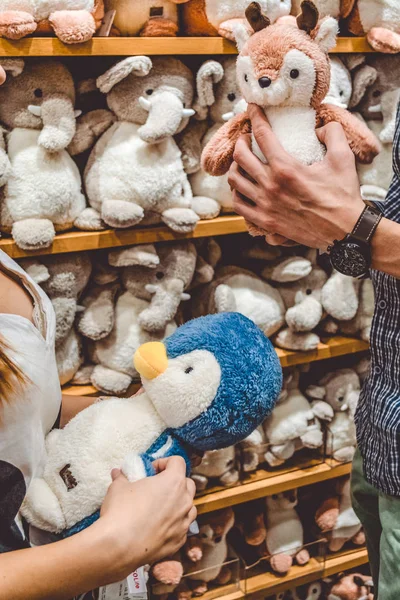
(27, 418)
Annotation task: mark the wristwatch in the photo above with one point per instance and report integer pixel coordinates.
(352, 255)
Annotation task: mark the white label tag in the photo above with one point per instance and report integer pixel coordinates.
(132, 588)
(113, 591)
(137, 584)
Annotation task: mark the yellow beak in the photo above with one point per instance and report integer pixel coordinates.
(151, 360)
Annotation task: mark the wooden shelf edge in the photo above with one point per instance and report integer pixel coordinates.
(78, 241)
(268, 583)
(270, 485)
(126, 46)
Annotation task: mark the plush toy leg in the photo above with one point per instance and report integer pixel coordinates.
(182, 220)
(83, 375)
(199, 588)
(89, 220)
(230, 477)
(226, 28)
(250, 460)
(169, 572)
(205, 208)
(159, 27)
(110, 381)
(16, 24)
(118, 213)
(337, 544)
(384, 40)
(225, 576)
(281, 563)
(200, 481)
(73, 26)
(359, 538)
(289, 340)
(344, 454)
(312, 439)
(42, 508)
(278, 454)
(302, 557)
(33, 234)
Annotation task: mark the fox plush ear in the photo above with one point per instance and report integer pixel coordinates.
(308, 18)
(255, 18)
(325, 34)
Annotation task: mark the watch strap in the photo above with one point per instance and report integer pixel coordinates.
(366, 225)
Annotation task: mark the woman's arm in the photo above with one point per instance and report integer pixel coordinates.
(139, 523)
(72, 405)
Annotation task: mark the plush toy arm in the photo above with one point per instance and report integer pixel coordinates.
(361, 140)
(65, 311)
(327, 514)
(89, 128)
(189, 142)
(217, 156)
(322, 410)
(346, 6)
(194, 548)
(97, 320)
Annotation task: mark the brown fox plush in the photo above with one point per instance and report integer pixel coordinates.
(285, 70)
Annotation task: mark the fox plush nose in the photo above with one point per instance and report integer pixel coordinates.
(264, 82)
(150, 360)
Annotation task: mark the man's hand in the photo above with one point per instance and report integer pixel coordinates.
(312, 205)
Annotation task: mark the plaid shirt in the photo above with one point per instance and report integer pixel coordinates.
(378, 413)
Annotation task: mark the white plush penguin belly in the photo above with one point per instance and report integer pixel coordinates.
(379, 13)
(124, 167)
(285, 532)
(295, 129)
(74, 488)
(132, 16)
(41, 9)
(209, 186)
(42, 184)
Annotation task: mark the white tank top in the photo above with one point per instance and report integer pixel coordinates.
(27, 418)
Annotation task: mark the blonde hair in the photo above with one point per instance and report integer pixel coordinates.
(11, 376)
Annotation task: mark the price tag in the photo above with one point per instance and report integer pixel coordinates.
(132, 588)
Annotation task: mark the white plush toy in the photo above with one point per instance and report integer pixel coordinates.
(361, 324)
(285, 535)
(146, 18)
(326, 8)
(294, 423)
(217, 465)
(339, 391)
(136, 168)
(340, 88)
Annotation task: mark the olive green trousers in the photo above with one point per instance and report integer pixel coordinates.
(380, 517)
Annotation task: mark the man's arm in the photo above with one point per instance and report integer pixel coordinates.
(312, 205)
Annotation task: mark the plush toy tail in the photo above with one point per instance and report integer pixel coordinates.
(361, 140)
(217, 156)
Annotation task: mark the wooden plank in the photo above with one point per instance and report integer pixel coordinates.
(329, 348)
(77, 241)
(271, 484)
(127, 46)
(267, 583)
(90, 390)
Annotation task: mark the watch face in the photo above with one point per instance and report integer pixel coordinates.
(350, 259)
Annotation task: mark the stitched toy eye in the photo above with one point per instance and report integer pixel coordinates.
(231, 97)
(218, 539)
(341, 398)
(376, 94)
(308, 291)
(341, 93)
(294, 73)
(38, 93)
(149, 92)
(188, 370)
(160, 275)
(246, 78)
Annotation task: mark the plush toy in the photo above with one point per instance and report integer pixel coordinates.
(136, 167)
(63, 278)
(217, 465)
(309, 591)
(253, 449)
(285, 534)
(73, 21)
(207, 17)
(236, 289)
(337, 519)
(354, 586)
(147, 18)
(285, 70)
(338, 391)
(340, 296)
(294, 423)
(42, 186)
(218, 98)
(326, 8)
(340, 88)
(205, 554)
(207, 387)
(379, 20)
(361, 324)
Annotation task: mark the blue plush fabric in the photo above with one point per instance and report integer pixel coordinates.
(251, 378)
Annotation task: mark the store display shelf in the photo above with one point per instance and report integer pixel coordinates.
(262, 483)
(126, 46)
(77, 241)
(267, 583)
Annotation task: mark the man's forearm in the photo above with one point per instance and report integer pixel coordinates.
(386, 248)
(61, 570)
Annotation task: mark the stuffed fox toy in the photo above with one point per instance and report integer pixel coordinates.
(285, 70)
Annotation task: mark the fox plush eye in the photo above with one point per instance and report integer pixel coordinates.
(149, 92)
(38, 93)
(294, 73)
(231, 97)
(188, 370)
(246, 78)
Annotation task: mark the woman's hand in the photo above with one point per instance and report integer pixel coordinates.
(149, 519)
(313, 205)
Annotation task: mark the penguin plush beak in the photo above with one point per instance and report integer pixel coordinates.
(150, 360)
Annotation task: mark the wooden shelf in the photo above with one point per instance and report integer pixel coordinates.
(267, 583)
(76, 241)
(127, 46)
(263, 484)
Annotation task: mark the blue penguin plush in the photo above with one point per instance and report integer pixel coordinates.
(207, 386)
